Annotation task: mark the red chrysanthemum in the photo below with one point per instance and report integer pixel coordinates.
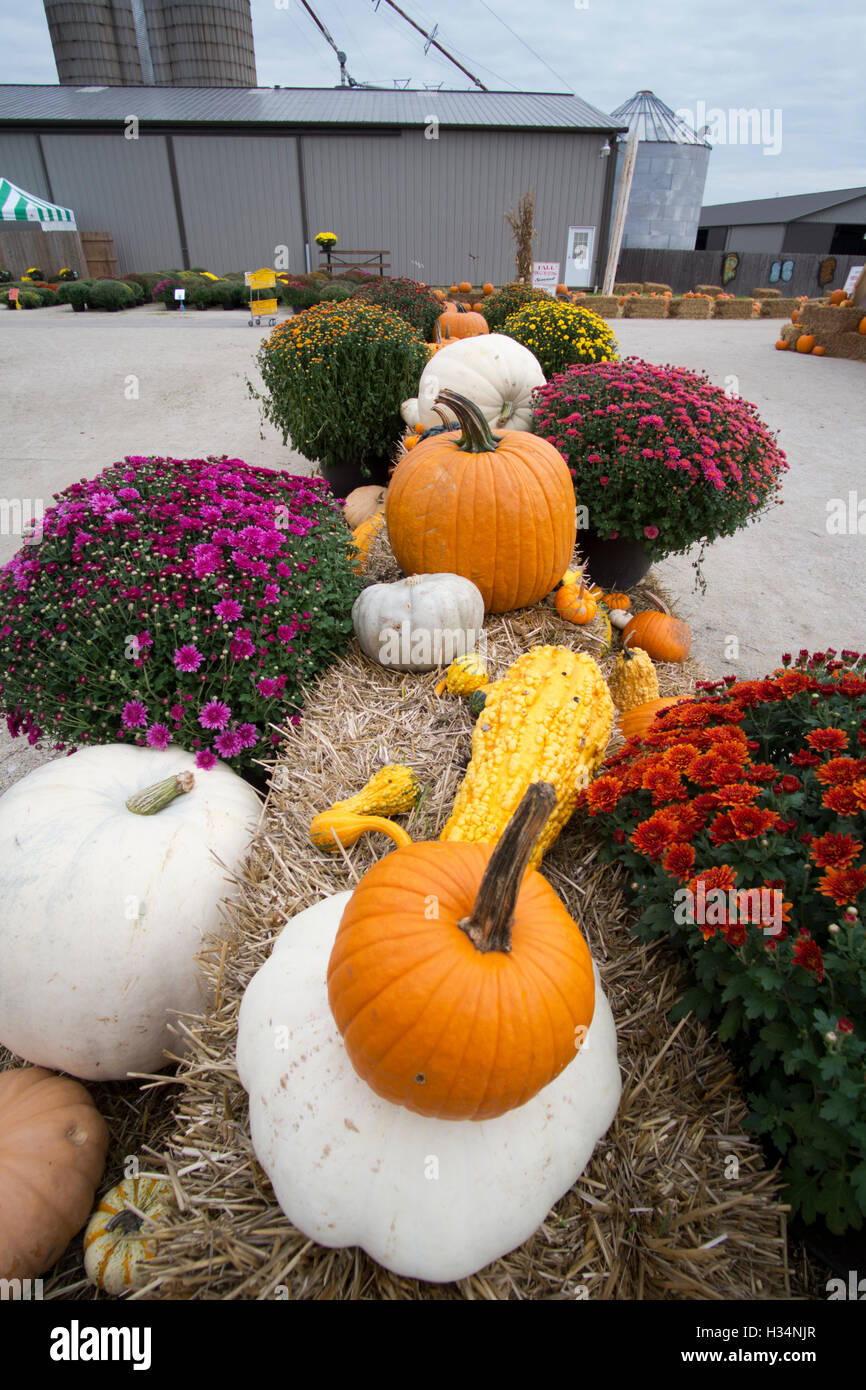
(835, 851)
(842, 885)
(840, 772)
(603, 795)
(842, 800)
(679, 861)
(827, 739)
(807, 954)
(737, 794)
(654, 835)
(793, 682)
(664, 783)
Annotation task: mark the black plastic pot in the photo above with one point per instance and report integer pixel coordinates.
(345, 477)
(618, 564)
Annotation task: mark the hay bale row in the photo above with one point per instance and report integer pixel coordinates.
(765, 292)
(682, 308)
(850, 345)
(732, 309)
(642, 307)
(790, 332)
(606, 305)
(778, 308)
(712, 290)
(628, 287)
(650, 287)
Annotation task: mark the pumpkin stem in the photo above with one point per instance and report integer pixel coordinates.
(489, 924)
(125, 1221)
(155, 798)
(477, 436)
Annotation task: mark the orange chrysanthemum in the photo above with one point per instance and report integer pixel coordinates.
(835, 851)
(823, 740)
(843, 885)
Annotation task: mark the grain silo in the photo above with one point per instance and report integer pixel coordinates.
(196, 43)
(667, 190)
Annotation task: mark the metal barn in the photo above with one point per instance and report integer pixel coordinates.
(224, 177)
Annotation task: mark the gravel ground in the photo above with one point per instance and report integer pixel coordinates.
(83, 390)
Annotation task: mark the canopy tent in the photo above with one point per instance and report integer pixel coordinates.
(18, 206)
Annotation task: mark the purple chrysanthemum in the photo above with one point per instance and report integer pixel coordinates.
(188, 658)
(134, 714)
(215, 715)
(228, 744)
(205, 759)
(158, 736)
(228, 610)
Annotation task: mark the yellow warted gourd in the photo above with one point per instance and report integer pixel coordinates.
(548, 719)
(633, 680)
(465, 675)
(389, 792)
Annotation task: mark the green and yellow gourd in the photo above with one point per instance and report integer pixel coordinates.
(548, 719)
(390, 792)
(465, 675)
(633, 680)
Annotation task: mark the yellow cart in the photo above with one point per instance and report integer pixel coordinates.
(260, 307)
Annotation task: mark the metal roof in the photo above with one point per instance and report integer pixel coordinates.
(655, 121)
(787, 209)
(298, 106)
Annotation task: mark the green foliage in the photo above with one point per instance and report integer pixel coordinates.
(335, 378)
(503, 303)
(110, 295)
(561, 334)
(413, 302)
(75, 292)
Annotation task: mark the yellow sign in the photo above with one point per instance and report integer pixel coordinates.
(260, 279)
(264, 306)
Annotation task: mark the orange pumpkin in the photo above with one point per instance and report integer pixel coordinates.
(440, 295)
(805, 342)
(487, 288)
(617, 601)
(818, 351)
(460, 322)
(464, 287)
(635, 722)
(660, 636)
(53, 1143)
(466, 1013)
(496, 509)
(861, 327)
(837, 296)
(782, 344)
(573, 603)
(795, 317)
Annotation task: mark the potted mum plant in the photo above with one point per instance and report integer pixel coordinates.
(661, 460)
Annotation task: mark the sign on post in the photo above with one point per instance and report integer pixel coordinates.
(851, 283)
(545, 276)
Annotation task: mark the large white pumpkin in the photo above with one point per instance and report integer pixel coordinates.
(498, 374)
(102, 910)
(418, 623)
(429, 1199)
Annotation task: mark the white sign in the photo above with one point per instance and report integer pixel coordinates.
(853, 276)
(545, 275)
(579, 256)
(180, 294)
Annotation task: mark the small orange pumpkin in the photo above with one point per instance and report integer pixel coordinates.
(466, 1013)
(460, 322)
(662, 637)
(837, 296)
(782, 344)
(464, 287)
(635, 722)
(486, 288)
(617, 601)
(573, 603)
(819, 350)
(795, 317)
(861, 327)
(805, 342)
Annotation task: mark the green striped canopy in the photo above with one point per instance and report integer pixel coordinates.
(18, 206)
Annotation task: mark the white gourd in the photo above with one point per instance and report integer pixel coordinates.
(418, 623)
(498, 374)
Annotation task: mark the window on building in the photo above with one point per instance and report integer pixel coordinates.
(849, 239)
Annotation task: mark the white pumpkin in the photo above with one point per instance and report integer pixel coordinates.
(429, 1199)
(494, 371)
(102, 910)
(418, 623)
(116, 1247)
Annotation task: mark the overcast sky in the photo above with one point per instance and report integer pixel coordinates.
(799, 63)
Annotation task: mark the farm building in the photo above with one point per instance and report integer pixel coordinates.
(669, 176)
(831, 223)
(225, 177)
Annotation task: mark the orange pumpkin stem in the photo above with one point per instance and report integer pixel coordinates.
(155, 798)
(489, 924)
(477, 436)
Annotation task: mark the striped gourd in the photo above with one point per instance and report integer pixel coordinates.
(114, 1247)
(548, 719)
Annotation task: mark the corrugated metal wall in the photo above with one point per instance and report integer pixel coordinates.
(434, 204)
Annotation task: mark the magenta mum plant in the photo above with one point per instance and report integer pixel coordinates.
(178, 602)
(659, 455)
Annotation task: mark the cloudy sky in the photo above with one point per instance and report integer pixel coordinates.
(797, 63)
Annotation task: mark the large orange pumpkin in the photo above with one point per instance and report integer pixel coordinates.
(486, 288)
(460, 322)
(805, 342)
(635, 722)
(53, 1143)
(467, 1009)
(836, 296)
(496, 509)
(660, 636)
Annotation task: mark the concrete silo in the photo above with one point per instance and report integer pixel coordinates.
(196, 43)
(667, 190)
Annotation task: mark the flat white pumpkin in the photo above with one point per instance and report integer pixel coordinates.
(498, 374)
(429, 1199)
(418, 623)
(102, 911)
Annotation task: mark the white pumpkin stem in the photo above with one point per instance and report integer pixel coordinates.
(157, 797)
(489, 924)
